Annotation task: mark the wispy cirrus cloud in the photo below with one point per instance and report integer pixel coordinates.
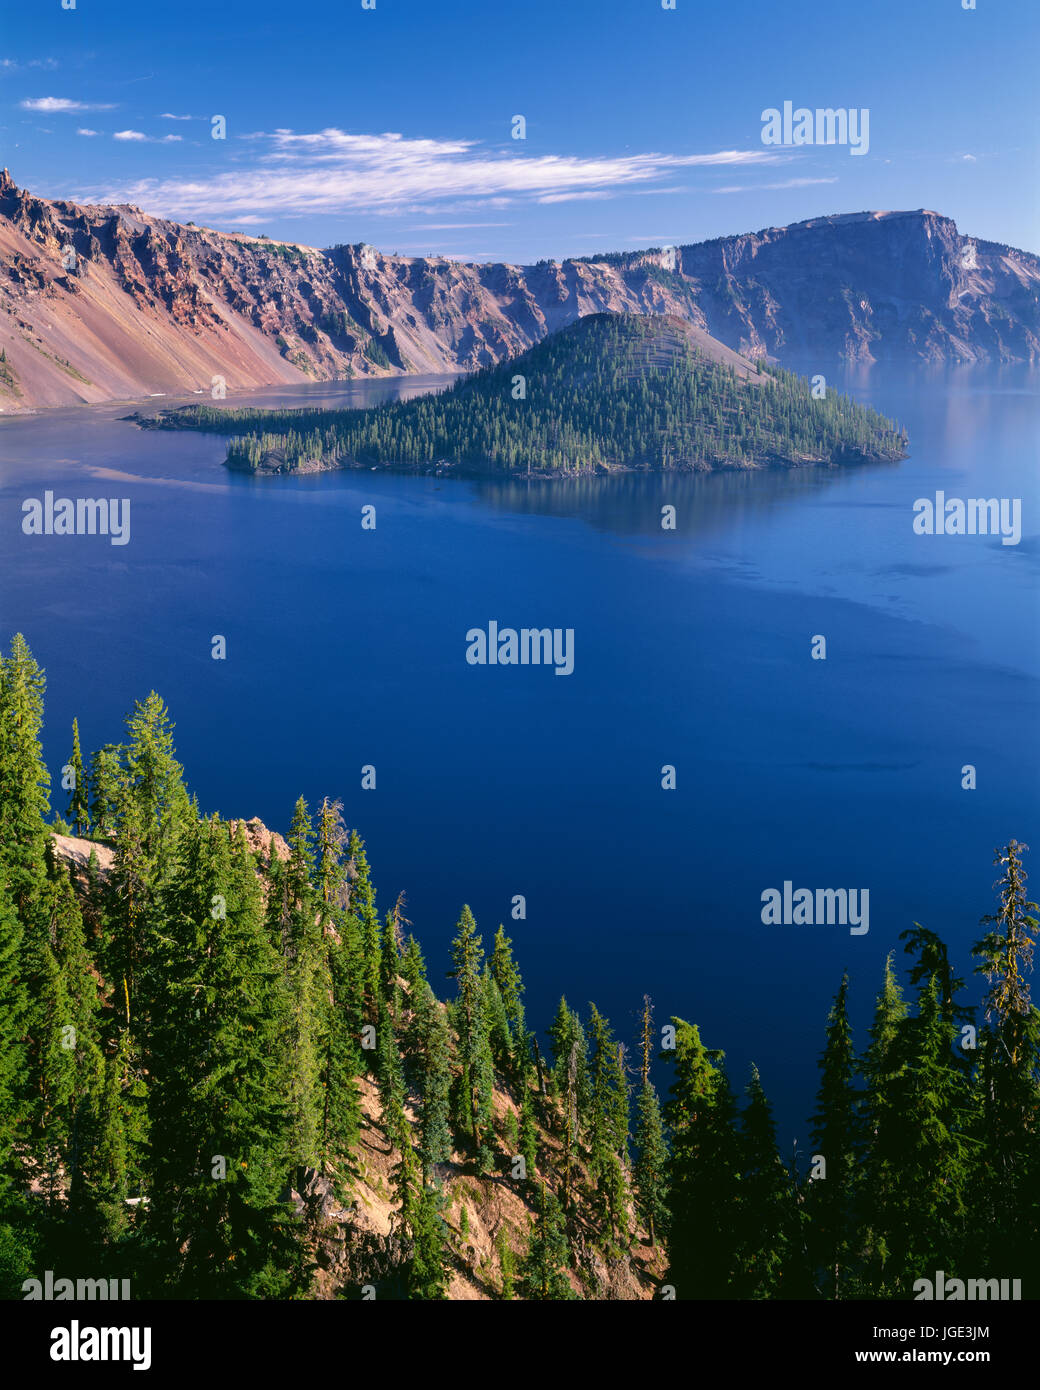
(333, 171)
(757, 187)
(63, 104)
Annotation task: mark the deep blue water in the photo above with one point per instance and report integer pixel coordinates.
(347, 647)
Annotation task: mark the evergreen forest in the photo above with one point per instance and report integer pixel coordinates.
(611, 392)
(210, 1038)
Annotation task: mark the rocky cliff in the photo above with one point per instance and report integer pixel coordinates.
(101, 303)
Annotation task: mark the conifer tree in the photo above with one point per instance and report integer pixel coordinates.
(309, 991)
(435, 1080)
(542, 1269)
(649, 1180)
(428, 1267)
(496, 1024)
(79, 796)
(608, 1124)
(831, 1200)
(917, 1158)
(703, 1170)
(106, 783)
(571, 1085)
(340, 1064)
(511, 988)
(14, 1061)
(24, 780)
(390, 956)
(363, 906)
(767, 1233)
(221, 1138)
(528, 1134)
(1007, 1127)
(880, 1067)
(154, 779)
(474, 1046)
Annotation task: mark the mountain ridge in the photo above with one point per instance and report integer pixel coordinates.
(108, 302)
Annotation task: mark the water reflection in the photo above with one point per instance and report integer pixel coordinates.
(630, 503)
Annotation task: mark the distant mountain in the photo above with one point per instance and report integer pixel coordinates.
(101, 303)
(612, 392)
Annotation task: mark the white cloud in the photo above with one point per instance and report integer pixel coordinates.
(332, 170)
(169, 116)
(63, 104)
(84, 131)
(758, 187)
(12, 65)
(141, 138)
(454, 226)
(575, 197)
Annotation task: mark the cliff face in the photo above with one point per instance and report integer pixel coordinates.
(101, 303)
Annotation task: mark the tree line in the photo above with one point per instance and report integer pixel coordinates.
(185, 1036)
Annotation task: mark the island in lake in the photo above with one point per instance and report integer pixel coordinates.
(610, 393)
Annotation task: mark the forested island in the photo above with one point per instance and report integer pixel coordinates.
(610, 393)
(225, 1073)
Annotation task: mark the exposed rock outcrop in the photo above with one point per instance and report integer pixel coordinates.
(101, 303)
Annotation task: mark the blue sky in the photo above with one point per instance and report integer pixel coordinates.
(643, 125)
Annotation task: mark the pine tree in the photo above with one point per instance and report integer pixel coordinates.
(340, 1064)
(1007, 1127)
(154, 779)
(570, 1083)
(221, 1139)
(703, 1170)
(363, 906)
(528, 1135)
(767, 1213)
(511, 988)
(79, 814)
(474, 1046)
(649, 1180)
(428, 1267)
(435, 1080)
(542, 1269)
(880, 1067)
(831, 1201)
(106, 782)
(24, 780)
(608, 1125)
(917, 1160)
(14, 1061)
(309, 991)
